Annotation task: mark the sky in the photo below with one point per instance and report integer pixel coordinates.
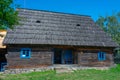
(93, 8)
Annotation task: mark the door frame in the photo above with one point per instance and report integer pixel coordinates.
(62, 56)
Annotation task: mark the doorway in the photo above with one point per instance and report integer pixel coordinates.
(3, 60)
(63, 56)
(68, 57)
(57, 56)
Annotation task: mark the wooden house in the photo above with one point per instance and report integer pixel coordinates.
(2, 50)
(46, 38)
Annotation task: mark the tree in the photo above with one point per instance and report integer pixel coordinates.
(8, 15)
(111, 25)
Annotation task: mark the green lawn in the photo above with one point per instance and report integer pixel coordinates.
(91, 74)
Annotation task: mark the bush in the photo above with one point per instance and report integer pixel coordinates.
(116, 69)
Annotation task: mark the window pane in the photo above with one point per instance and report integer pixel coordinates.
(101, 56)
(25, 53)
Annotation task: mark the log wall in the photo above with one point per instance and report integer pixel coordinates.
(90, 58)
(43, 56)
(40, 56)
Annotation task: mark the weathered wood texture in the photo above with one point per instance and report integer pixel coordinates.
(40, 56)
(90, 58)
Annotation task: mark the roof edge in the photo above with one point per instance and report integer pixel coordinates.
(4, 43)
(54, 12)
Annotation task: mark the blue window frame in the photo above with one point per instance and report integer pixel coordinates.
(101, 56)
(25, 53)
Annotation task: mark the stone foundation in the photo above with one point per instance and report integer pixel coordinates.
(27, 70)
(64, 69)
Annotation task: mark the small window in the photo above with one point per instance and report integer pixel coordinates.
(25, 53)
(77, 24)
(38, 21)
(101, 56)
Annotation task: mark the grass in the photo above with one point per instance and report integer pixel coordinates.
(90, 74)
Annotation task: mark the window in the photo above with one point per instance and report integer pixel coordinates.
(77, 24)
(101, 56)
(25, 53)
(38, 21)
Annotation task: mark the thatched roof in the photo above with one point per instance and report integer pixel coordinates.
(52, 28)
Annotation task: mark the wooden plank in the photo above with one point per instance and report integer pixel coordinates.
(39, 57)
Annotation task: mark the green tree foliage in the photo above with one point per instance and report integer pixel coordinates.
(111, 25)
(8, 15)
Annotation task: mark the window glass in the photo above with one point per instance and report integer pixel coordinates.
(25, 53)
(101, 56)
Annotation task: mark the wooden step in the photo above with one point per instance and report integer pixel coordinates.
(62, 70)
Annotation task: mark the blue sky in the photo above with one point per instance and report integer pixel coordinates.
(93, 8)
